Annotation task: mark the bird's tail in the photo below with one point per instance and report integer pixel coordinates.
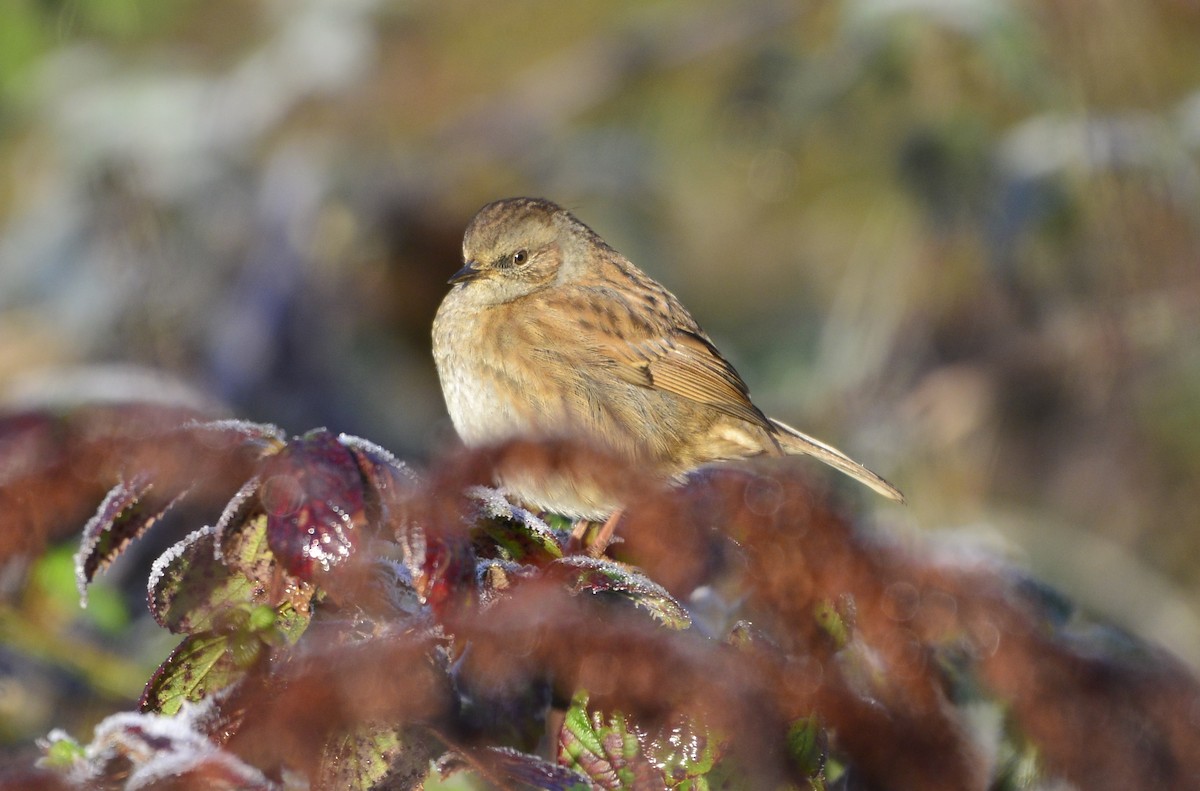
(793, 441)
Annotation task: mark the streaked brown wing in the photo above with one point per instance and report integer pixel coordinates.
(687, 364)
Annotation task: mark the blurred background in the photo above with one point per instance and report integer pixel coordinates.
(960, 239)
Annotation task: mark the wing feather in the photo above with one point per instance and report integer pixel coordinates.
(675, 359)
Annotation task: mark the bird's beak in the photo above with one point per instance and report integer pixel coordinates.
(470, 271)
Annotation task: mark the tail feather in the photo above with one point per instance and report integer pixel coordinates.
(793, 441)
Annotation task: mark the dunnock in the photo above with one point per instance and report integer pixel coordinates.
(549, 332)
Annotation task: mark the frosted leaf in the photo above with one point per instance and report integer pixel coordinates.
(614, 751)
(377, 454)
(126, 512)
(146, 749)
(174, 551)
(517, 532)
(375, 756)
(235, 510)
(264, 435)
(414, 549)
(389, 482)
(190, 591)
(600, 575)
(496, 504)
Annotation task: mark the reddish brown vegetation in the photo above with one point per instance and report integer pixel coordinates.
(881, 678)
(54, 469)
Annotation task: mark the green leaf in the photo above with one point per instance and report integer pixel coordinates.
(831, 622)
(61, 752)
(578, 725)
(376, 756)
(361, 759)
(261, 618)
(53, 578)
(242, 546)
(245, 549)
(189, 588)
(514, 532)
(287, 624)
(586, 744)
(614, 753)
(192, 590)
(210, 661)
(199, 666)
(806, 745)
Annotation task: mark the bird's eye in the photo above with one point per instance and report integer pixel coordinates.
(520, 257)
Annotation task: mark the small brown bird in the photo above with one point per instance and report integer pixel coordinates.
(549, 332)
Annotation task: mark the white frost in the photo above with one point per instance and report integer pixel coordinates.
(231, 510)
(159, 567)
(497, 506)
(91, 537)
(371, 449)
(160, 747)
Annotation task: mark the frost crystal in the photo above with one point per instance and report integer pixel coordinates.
(91, 536)
(249, 488)
(159, 567)
(371, 449)
(159, 747)
(248, 428)
(496, 505)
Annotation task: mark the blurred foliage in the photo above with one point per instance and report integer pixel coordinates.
(958, 239)
(349, 624)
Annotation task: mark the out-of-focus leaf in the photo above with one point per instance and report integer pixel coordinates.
(533, 771)
(126, 512)
(831, 622)
(613, 753)
(806, 744)
(745, 635)
(61, 751)
(378, 757)
(605, 751)
(144, 749)
(53, 580)
(264, 437)
(312, 493)
(600, 575)
(1018, 766)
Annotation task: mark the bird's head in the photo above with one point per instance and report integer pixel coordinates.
(512, 248)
